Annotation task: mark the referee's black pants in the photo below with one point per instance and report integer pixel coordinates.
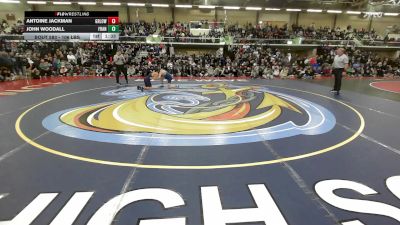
(338, 73)
(121, 69)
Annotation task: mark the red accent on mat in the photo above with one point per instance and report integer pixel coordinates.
(391, 86)
(238, 112)
(27, 85)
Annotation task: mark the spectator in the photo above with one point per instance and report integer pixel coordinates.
(63, 70)
(44, 68)
(71, 58)
(131, 70)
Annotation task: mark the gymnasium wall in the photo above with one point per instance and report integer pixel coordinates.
(185, 15)
(241, 17)
(16, 9)
(356, 21)
(150, 14)
(277, 18)
(319, 19)
(380, 24)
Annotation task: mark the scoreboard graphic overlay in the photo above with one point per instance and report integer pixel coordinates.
(71, 25)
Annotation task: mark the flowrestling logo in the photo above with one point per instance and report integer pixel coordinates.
(193, 115)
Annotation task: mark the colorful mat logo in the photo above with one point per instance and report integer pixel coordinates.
(193, 115)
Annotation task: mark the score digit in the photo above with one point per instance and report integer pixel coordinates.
(113, 20)
(113, 29)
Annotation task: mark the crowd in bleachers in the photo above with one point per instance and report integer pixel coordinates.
(73, 59)
(264, 31)
(11, 28)
(171, 29)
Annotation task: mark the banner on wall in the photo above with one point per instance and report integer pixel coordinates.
(228, 40)
(295, 41)
(153, 39)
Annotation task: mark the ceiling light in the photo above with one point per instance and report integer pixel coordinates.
(9, 1)
(62, 3)
(334, 11)
(353, 12)
(183, 6)
(206, 6)
(37, 2)
(231, 7)
(87, 3)
(253, 8)
(160, 5)
(293, 10)
(391, 14)
(373, 13)
(136, 4)
(314, 10)
(272, 9)
(111, 3)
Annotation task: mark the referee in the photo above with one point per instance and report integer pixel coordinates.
(119, 61)
(340, 65)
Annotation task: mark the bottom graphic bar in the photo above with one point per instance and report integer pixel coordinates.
(70, 36)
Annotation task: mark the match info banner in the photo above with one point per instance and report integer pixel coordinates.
(71, 25)
(71, 36)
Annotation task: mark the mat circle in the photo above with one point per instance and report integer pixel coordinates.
(188, 167)
(389, 86)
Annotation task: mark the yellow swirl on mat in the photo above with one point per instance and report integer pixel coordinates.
(134, 116)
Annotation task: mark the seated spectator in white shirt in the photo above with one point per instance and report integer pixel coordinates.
(71, 58)
(99, 71)
(131, 71)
